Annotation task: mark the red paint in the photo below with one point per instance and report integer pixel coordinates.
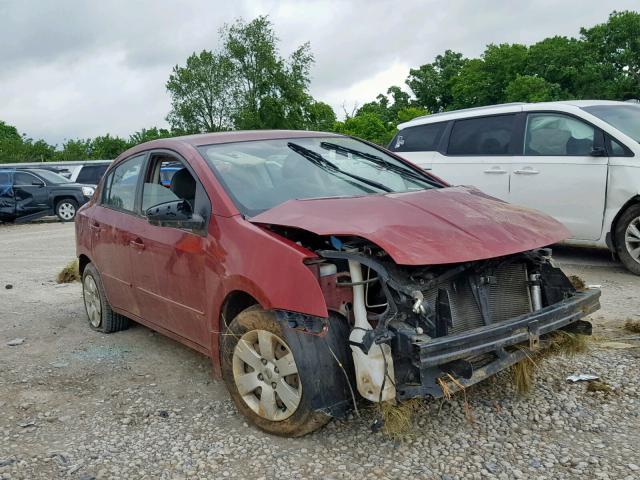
(428, 227)
(177, 282)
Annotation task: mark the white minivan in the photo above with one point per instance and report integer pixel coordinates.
(578, 161)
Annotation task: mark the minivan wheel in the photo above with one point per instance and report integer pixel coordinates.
(263, 378)
(627, 238)
(66, 209)
(99, 313)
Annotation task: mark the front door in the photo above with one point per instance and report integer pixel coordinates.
(169, 262)
(111, 222)
(563, 172)
(31, 193)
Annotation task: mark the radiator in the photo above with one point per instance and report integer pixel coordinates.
(509, 297)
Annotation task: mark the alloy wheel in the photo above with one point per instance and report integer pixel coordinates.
(266, 375)
(92, 301)
(632, 239)
(66, 211)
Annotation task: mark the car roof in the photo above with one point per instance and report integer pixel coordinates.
(248, 136)
(503, 108)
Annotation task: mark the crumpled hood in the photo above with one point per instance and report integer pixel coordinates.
(437, 226)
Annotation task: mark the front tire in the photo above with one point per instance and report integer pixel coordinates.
(99, 313)
(66, 209)
(263, 377)
(627, 238)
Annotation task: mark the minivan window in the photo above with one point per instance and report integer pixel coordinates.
(625, 118)
(556, 134)
(121, 185)
(91, 173)
(421, 138)
(482, 136)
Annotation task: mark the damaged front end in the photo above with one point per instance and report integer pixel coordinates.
(413, 325)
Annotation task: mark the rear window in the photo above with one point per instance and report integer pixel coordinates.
(482, 136)
(421, 138)
(91, 174)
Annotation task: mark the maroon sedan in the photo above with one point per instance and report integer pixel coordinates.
(314, 268)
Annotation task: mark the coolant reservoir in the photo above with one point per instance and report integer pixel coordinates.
(374, 370)
(370, 369)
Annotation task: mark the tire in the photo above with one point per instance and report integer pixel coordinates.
(251, 328)
(66, 209)
(627, 238)
(99, 313)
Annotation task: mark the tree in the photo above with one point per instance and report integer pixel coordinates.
(431, 83)
(529, 88)
(616, 44)
(148, 134)
(202, 94)
(272, 92)
(319, 116)
(75, 150)
(107, 147)
(368, 126)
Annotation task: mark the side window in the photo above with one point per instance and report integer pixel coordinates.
(91, 174)
(120, 188)
(616, 149)
(421, 138)
(557, 134)
(23, 179)
(482, 136)
(167, 180)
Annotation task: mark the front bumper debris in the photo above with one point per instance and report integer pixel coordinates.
(474, 355)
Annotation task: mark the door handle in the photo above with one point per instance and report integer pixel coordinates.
(526, 171)
(495, 170)
(137, 243)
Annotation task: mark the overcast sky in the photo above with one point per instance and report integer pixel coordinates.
(77, 69)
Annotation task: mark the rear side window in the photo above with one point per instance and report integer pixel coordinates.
(91, 174)
(22, 179)
(482, 136)
(120, 187)
(421, 138)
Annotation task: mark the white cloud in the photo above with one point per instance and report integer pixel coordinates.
(72, 68)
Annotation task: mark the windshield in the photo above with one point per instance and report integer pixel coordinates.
(50, 177)
(625, 118)
(259, 175)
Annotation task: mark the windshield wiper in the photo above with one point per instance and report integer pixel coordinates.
(377, 160)
(320, 161)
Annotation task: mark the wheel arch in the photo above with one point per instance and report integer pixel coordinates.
(611, 241)
(83, 261)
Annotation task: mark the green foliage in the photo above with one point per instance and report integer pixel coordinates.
(528, 88)
(368, 126)
(202, 93)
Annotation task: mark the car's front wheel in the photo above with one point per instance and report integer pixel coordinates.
(66, 209)
(263, 377)
(99, 313)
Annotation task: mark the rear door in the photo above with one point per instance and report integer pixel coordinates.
(7, 200)
(111, 224)
(479, 152)
(562, 172)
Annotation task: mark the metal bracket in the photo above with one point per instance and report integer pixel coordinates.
(534, 336)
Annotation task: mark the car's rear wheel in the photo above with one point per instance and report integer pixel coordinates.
(99, 313)
(627, 238)
(263, 377)
(66, 209)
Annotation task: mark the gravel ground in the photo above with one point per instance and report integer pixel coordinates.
(75, 404)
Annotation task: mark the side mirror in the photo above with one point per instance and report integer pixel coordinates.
(177, 214)
(598, 152)
(38, 183)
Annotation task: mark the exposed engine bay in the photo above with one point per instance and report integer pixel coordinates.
(411, 325)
